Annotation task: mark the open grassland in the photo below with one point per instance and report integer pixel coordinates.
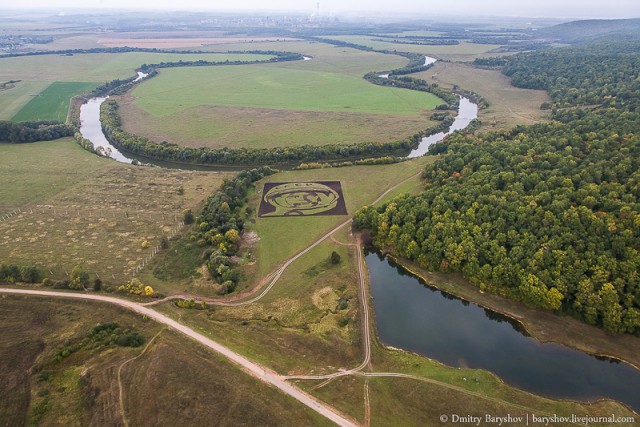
(31, 173)
(260, 86)
(509, 106)
(99, 217)
(37, 72)
(464, 51)
(53, 102)
(316, 102)
(415, 402)
(173, 379)
(241, 127)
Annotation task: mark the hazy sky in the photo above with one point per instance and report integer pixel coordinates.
(546, 8)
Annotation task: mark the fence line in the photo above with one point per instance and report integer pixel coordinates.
(155, 251)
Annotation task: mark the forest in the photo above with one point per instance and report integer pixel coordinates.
(547, 214)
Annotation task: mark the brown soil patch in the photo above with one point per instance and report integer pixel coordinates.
(240, 127)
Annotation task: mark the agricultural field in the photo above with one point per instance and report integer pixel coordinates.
(99, 216)
(269, 86)
(53, 102)
(464, 51)
(36, 73)
(509, 106)
(167, 378)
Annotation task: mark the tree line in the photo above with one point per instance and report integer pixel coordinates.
(548, 214)
(21, 132)
(221, 223)
(140, 145)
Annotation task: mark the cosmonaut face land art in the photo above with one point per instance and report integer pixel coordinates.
(302, 199)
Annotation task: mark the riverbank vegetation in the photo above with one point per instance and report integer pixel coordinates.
(546, 214)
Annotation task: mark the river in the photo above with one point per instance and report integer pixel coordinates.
(91, 129)
(422, 319)
(467, 112)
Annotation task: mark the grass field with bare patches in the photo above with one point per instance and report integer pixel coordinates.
(100, 218)
(174, 378)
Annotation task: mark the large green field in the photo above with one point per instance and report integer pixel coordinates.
(303, 102)
(53, 102)
(36, 73)
(261, 86)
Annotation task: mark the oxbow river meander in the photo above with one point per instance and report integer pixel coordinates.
(417, 318)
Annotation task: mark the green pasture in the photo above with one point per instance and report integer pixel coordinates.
(36, 73)
(261, 86)
(53, 102)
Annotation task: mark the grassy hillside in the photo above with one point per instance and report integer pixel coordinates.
(173, 379)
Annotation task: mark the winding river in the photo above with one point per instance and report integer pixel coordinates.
(91, 129)
(418, 318)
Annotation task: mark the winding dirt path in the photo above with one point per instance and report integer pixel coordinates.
(258, 371)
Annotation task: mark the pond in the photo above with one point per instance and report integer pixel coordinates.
(422, 319)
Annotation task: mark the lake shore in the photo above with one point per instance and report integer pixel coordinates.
(544, 325)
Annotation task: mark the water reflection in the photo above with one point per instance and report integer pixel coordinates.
(422, 319)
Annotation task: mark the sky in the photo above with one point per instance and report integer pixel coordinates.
(533, 8)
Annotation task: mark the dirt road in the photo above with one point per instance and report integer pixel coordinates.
(250, 367)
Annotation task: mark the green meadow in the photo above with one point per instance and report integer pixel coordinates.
(263, 86)
(53, 102)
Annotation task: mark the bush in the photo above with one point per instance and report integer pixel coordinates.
(335, 258)
(79, 278)
(130, 339)
(187, 217)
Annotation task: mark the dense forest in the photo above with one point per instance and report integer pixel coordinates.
(547, 214)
